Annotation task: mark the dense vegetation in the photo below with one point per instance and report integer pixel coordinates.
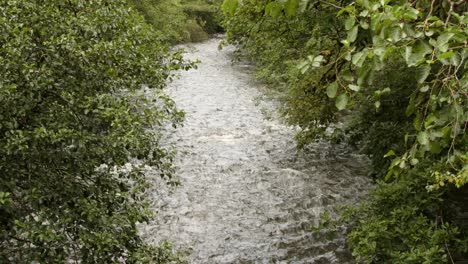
(77, 129)
(73, 122)
(182, 20)
(396, 73)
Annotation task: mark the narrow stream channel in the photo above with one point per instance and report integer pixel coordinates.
(246, 196)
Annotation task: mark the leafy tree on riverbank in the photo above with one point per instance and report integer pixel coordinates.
(398, 71)
(182, 20)
(73, 119)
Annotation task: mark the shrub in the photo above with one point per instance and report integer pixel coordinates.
(181, 21)
(194, 31)
(399, 91)
(73, 120)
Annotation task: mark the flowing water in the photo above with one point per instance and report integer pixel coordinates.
(246, 196)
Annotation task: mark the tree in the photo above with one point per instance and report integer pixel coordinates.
(73, 123)
(396, 71)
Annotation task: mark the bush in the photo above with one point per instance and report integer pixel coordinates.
(166, 17)
(387, 125)
(398, 92)
(195, 32)
(181, 21)
(73, 120)
(403, 223)
(207, 14)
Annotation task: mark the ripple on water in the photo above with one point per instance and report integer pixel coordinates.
(245, 196)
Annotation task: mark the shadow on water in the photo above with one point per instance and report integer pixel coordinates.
(246, 196)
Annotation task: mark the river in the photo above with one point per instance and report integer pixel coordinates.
(246, 194)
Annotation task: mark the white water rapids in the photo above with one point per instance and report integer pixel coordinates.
(246, 196)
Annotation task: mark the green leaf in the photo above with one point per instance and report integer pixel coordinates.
(443, 41)
(303, 66)
(365, 75)
(303, 5)
(341, 102)
(455, 60)
(411, 14)
(347, 56)
(450, 58)
(388, 175)
(424, 89)
(418, 121)
(416, 54)
(346, 43)
(394, 33)
(354, 87)
(377, 104)
(429, 120)
(273, 9)
(349, 9)
(376, 22)
(364, 24)
(422, 72)
(364, 3)
(349, 23)
(291, 7)
(423, 138)
(352, 34)
(411, 107)
(389, 154)
(379, 51)
(359, 58)
(332, 89)
(445, 55)
(317, 61)
(347, 75)
(230, 6)
(408, 52)
(409, 30)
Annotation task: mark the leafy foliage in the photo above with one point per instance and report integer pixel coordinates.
(207, 13)
(181, 21)
(166, 17)
(391, 231)
(431, 38)
(395, 73)
(73, 121)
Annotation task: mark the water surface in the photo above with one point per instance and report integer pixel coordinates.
(246, 196)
